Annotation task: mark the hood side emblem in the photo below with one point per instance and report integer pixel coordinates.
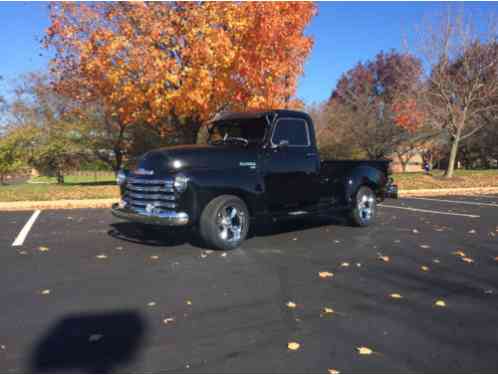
(250, 164)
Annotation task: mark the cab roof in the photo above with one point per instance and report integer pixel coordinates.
(224, 116)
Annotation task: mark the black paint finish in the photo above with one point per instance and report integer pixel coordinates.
(272, 180)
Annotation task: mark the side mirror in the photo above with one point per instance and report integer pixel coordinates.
(283, 144)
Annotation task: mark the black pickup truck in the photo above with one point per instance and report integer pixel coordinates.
(255, 167)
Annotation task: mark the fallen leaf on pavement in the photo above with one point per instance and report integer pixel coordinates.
(424, 268)
(168, 320)
(293, 345)
(43, 249)
(291, 305)
(440, 303)
(363, 350)
(45, 291)
(101, 256)
(325, 274)
(459, 253)
(384, 258)
(395, 295)
(468, 260)
(328, 310)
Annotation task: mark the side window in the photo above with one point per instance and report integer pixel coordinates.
(293, 130)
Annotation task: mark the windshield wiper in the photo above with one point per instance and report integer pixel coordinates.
(240, 139)
(227, 138)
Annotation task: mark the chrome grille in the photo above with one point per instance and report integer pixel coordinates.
(139, 192)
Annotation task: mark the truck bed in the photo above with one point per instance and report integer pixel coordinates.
(342, 167)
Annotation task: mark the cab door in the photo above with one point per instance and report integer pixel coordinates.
(291, 166)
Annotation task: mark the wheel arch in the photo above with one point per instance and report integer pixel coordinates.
(363, 176)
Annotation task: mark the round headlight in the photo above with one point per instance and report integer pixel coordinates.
(121, 177)
(181, 183)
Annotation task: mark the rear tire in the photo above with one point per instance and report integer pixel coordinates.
(224, 222)
(364, 207)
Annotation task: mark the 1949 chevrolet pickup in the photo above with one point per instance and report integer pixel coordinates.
(256, 166)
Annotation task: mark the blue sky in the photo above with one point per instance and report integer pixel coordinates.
(344, 33)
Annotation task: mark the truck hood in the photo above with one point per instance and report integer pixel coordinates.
(180, 158)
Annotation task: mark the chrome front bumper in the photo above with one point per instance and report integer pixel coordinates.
(171, 218)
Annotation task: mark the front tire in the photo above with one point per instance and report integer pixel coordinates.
(224, 222)
(364, 207)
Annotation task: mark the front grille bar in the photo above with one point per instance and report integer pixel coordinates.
(136, 203)
(143, 181)
(150, 189)
(151, 196)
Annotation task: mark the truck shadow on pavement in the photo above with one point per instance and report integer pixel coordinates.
(170, 237)
(89, 343)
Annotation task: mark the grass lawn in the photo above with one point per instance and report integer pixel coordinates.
(462, 179)
(74, 187)
(104, 185)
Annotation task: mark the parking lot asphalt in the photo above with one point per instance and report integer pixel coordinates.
(86, 292)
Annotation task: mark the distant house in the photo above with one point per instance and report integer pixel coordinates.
(413, 164)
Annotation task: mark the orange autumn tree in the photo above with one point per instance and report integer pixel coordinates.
(173, 66)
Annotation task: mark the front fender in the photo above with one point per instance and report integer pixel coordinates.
(207, 184)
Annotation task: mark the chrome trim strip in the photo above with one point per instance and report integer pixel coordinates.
(151, 196)
(141, 216)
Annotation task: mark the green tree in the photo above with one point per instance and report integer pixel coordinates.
(52, 132)
(11, 153)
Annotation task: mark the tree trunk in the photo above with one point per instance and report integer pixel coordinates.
(118, 159)
(60, 178)
(453, 155)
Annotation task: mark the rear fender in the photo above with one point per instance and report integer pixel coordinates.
(364, 176)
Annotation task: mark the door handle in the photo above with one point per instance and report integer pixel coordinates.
(310, 154)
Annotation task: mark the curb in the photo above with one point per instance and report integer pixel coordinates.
(68, 204)
(63, 204)
(450, 191)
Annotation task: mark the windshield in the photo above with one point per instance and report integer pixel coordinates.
(247, 131)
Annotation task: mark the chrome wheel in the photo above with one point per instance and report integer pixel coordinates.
(231, 222)
(366, 205)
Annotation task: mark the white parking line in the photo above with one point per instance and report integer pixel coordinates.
(25, 230)
(429, 211)
(460, 202)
